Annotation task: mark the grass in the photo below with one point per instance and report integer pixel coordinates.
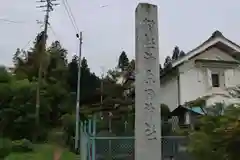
(42, 152)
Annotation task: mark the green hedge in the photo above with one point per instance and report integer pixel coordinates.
(5, 147)
(22, 145)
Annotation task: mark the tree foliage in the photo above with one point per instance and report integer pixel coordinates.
(181, 54)
(123, 61)
(168, 63)
(57, 90)
(217, 136)
(176, 52)
(176, 55)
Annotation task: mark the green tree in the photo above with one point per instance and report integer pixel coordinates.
(89, 81)
(165, 115)
(27, 63)
(168, 63)
(123, 61)
(217, 137)
(58, 64)
(73, 74)
(17, 112)
(58, 91)
(181, 54)
(175, 54)
(160, 69)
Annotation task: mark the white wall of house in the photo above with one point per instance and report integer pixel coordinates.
(215, 54)
(229, 77)
(192, 83)
(232, 77)
(169, 93)
(196, 82)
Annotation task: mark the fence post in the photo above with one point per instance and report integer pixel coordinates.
(89, 139)
(110, 148)
(83, 142)
(90, 127)
(94, 138)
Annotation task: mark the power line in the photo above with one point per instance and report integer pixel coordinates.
(10, 21)
(70, 15)
(33, 37)
(73, 18)
(25, 46)
(53, 32)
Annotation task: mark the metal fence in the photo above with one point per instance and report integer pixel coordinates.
(175, 148)
(122, 148)
(117, 143)
(115, 148)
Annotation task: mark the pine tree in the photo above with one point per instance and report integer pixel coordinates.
(123, 61)
(176, 52)
(168, 62)
(182, 54)
(160, 68)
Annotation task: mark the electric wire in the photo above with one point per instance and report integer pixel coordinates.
(10, 21)
(53, 32)
(73, 18)
(32, 39)
(27, 44)
(70, 15)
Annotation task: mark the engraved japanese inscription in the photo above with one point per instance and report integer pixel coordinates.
(150, 131)
(150, 23)
(149, 107)
(150, 43)
(150, 77)
(147, 84)
(148, 55)
(150, 94)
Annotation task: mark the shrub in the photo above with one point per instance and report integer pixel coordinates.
(165, 112)
(22, 145)
(68, 123)
(5, 147)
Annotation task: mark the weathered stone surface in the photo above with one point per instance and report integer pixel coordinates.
(147, 85)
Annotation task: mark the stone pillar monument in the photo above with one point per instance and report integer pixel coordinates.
(147, 85)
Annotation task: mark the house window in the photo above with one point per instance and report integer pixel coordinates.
(215, 80)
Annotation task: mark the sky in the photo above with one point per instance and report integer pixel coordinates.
(107, 31)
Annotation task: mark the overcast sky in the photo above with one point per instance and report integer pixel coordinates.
(109, 30)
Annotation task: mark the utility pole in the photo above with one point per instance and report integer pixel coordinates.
(101, 90)
(77, 138)
(49, 7)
